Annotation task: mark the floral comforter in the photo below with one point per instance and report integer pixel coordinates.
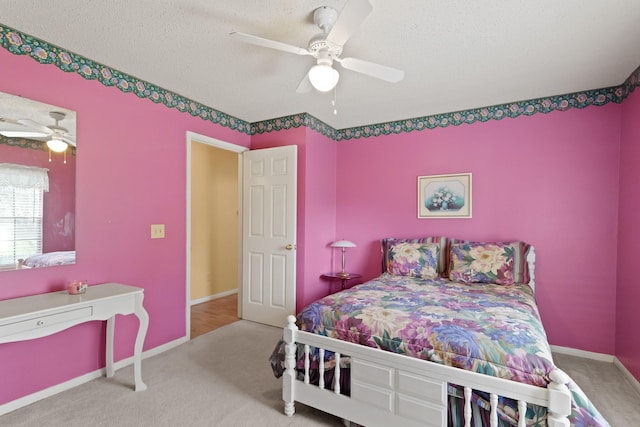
(486, 328)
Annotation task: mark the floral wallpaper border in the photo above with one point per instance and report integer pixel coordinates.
(596, 97)
(22, 44)
(30, 143)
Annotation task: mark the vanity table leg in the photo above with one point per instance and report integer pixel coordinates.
(143, 317)
(109, 345)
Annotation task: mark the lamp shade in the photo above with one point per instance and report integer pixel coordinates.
(323, 77)
(57, 145)
(343, 244)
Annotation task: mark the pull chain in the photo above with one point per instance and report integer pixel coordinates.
(334, 102)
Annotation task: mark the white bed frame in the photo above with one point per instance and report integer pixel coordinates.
(389, 389)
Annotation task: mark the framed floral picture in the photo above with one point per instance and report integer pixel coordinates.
(444, 196)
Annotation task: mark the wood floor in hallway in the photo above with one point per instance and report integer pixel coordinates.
(210, 315)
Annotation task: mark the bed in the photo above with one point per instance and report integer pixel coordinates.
(464, 313)
(48, 259)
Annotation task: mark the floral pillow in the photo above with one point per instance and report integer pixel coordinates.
(442, 243)
(414, 259)
(480, 262)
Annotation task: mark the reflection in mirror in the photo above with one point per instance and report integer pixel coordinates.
(37, 184)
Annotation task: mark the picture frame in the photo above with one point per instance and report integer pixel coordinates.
(444, 196)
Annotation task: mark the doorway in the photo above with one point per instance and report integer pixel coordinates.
(213, 266)
(216, 313)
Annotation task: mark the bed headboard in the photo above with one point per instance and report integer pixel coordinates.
(531, 263)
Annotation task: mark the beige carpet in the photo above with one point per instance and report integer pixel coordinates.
(216, 379)
(223, 378)
(607, 388)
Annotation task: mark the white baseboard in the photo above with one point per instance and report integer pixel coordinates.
(583, 353)
(627, 375)
(212, 297)
(48, 392)
(157, 350)
(74, 382)
(602, 358)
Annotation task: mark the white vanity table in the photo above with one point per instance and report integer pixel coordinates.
(37, 316)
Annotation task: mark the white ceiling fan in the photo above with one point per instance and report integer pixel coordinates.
(327, 46)
(57, 137)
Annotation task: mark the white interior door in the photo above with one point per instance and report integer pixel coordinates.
(269, 234)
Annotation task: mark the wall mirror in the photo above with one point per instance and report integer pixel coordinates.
(37, 184)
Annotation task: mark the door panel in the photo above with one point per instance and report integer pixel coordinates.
(269, 234)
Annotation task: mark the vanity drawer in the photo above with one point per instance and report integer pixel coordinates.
(45, 321)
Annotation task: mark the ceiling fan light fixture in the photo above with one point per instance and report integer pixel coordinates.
(323, 77)
(57, 145)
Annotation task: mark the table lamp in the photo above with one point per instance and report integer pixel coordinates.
(344, 244)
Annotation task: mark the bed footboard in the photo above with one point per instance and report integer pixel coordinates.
(392, 389)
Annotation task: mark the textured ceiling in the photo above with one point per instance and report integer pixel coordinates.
(456, 54)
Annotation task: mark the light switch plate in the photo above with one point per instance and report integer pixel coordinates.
(157, 231)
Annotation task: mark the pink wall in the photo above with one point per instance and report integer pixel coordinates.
(628, 292)
(59, 201)
(320, 216)
(551, 180)
(131, 172)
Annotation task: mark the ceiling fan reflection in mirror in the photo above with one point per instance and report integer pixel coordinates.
(327, 46)
(56, 137)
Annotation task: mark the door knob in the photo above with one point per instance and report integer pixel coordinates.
(290, 247)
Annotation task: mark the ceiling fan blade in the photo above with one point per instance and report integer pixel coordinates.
(70, 141)
(8, 121)
(18, 129)
(272, 44)
(35, 126)
(305, 85)
(378, 71)
(29, 134)
(352, 15)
